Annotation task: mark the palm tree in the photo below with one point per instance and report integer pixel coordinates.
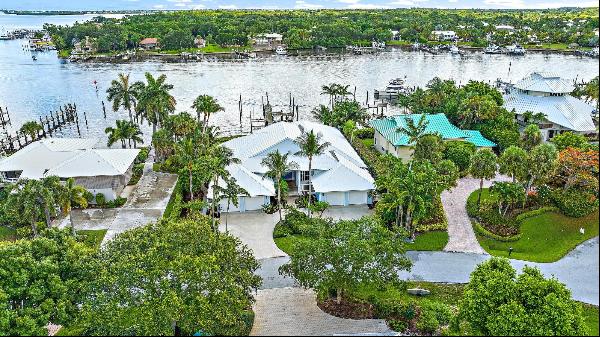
(27, 199)
(206, 105)
(310, 145)
(185, 154)
(330, 90)
(124, 131)
(412, 130)
(277, 165)
(134, 134)
(31, 129)
(155, 103)
(122, 94)
(72, 194)
(342, 91)
(163, 144)
(232, 193)
(219, 158)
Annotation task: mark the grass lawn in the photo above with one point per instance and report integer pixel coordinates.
(591, 315)
(440, 292)
(369, 142)
(429, 241)
(286, 243)
(7, 234)
(93, 238)
(546, 238)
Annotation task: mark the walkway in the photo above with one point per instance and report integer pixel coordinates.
(255, 230)
(294, 312)
(578, 270)
(460, 231)
(145, 204)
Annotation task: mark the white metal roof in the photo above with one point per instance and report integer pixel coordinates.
(545, 82)
(68, 157)
(340, 156)
(566, 111)
(254, 184)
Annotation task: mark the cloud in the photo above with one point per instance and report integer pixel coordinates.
(304, 5)
(453, 1)
(366, 6)
(506, 3)
(158, 6)
(228, 7)
(349, 1)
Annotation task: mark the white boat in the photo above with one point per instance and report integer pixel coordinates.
(5, 36)
(493, 49)
(515, 49)
(281, 50)
(454, 50)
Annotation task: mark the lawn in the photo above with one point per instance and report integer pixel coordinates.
(591, 315)
(545, 238)
(429, 241)
(7, 234)
(93, 238)
(440, 292)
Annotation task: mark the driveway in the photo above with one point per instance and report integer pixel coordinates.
(294, 312)
(255, 230)
(578, 270)
(461, 237)
(146, 203)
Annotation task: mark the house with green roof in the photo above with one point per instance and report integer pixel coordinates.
(388, 138)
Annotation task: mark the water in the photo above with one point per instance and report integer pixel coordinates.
(32, 88)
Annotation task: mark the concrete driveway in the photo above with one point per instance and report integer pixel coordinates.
(254, 229)
(145, 204)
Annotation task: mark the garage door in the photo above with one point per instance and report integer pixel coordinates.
(255, 203)
(232, 207)
(335, 198)
(358, 198)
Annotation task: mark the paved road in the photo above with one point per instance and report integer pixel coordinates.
(578, 270)
(294, 312)
(254, 229)
(461, 237)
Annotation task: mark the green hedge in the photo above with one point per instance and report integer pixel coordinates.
(574, 203)
(535, 212)
(435, 220)
(173, 209)
(479, 229)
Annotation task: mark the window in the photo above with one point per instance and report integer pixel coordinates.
(304, 176)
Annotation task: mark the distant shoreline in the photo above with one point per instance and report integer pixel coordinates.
(58, 13)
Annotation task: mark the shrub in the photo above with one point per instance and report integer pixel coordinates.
(143, 155)
(536, 212)
(459, 153)
(427, 322)
(435, 220)
(479, 229)
(364, 133)
(100, 199)
(282, 231)
(319, 207)
(270, 208)
(442, 312)
(575, 202)
(397, 325)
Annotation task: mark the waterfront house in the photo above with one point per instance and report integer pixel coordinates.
(99, 170)
(389, 139)
(268, 40)
(149, 43)
(86, 46)
(444, 35)
(199, 42)
(339, 176)
(549, 94)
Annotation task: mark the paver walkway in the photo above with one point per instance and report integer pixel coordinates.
(294, 312)
(255, 230)
(461, 237)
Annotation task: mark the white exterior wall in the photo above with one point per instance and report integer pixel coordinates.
(335, 198)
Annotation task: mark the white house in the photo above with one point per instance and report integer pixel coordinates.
(444, 35)
(549, 94)
(339, 176)
(268, 39)
(98, 170)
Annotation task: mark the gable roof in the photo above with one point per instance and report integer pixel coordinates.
(477, 139)
(149, 40)
(68, 157)
(254, 184)
(566, 111)
(545, 82)
(341, 167)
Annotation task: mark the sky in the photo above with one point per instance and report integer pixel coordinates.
(281, 4)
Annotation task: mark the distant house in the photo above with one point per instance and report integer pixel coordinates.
(549, 94)
(87, 46)
(506, 28)
(339, 176)
(199, 42)
(149, 43)
(99, 170)
(268, 40)
(388, 138)
(396, 35)
(444, 35)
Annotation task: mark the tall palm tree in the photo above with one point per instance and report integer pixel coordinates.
(330, 90)
(122, 94)
(185, 154)
(155, 103)
(310, 145)
(219, 158)
(277, 165)
(126, 132)
(31, 129)
(232, 193)
(342, 91)
(163, 144)
(72, 194)
(206, 105)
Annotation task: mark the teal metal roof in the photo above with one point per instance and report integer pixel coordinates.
(478, 139)
(437, 124)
